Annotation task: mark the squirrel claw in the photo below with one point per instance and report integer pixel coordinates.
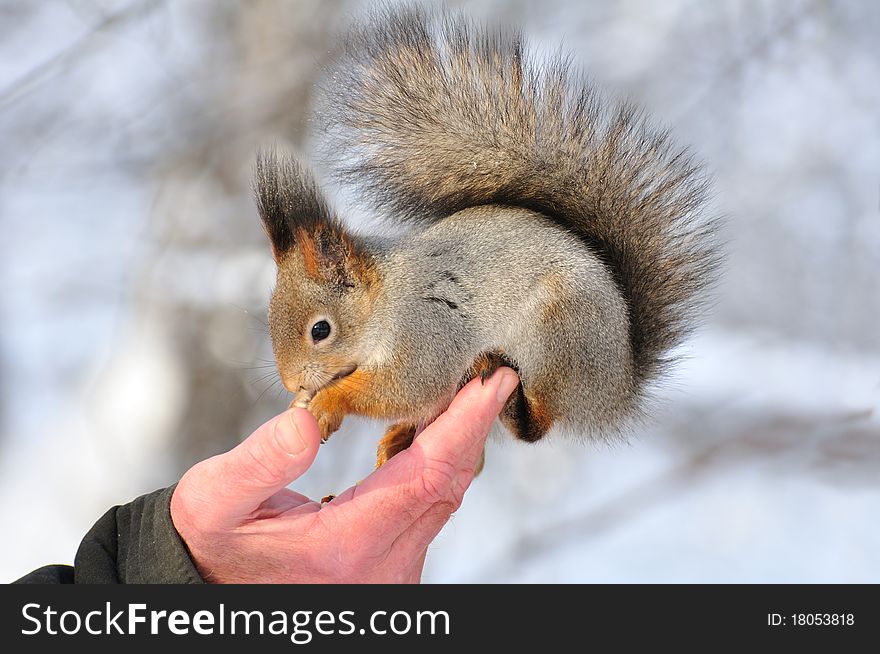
(487, 363)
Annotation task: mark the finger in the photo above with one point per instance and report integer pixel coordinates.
(435, 469)
(236, 483)
(468, 419)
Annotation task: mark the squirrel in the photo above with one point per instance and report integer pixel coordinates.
(549, 231)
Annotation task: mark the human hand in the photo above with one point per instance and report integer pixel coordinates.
(242, 525)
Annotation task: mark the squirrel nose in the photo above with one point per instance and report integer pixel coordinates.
(295, 383)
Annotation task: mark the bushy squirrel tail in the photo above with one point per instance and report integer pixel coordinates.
(430, 115)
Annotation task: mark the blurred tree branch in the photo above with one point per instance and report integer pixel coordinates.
(65, 58)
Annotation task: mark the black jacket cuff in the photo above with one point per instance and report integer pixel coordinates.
(136, 543)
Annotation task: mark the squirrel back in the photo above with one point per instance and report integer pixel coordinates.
(432, 115)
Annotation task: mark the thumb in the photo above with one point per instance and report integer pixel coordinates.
(235, 483)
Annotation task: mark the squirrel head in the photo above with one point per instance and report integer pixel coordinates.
(325, 283)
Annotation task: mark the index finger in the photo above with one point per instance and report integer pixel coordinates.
(436, 469)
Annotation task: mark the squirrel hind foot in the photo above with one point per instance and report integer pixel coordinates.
(396, 439)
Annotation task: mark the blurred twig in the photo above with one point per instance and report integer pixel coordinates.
(61, 60)
(779, 32)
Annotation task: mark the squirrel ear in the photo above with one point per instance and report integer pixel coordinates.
(288, 200)
(330, 255)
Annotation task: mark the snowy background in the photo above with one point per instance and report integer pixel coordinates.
(135, 279)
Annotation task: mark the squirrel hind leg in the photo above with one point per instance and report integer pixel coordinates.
(396, 439)
(524, 415)
(399, 437)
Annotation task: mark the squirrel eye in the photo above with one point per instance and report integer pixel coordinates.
(320, 330)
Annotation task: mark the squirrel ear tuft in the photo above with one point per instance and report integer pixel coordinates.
(288, 200)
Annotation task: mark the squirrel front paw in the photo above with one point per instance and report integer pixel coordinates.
(328, 423)
(327, 412)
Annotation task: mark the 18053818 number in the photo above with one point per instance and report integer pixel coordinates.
(822, 619)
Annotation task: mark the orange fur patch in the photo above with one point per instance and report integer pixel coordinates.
(396, 439)
(352, 259)
(540, 413)
(309, 250)
(351, 395)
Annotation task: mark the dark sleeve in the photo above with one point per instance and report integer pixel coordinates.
(135, 543)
